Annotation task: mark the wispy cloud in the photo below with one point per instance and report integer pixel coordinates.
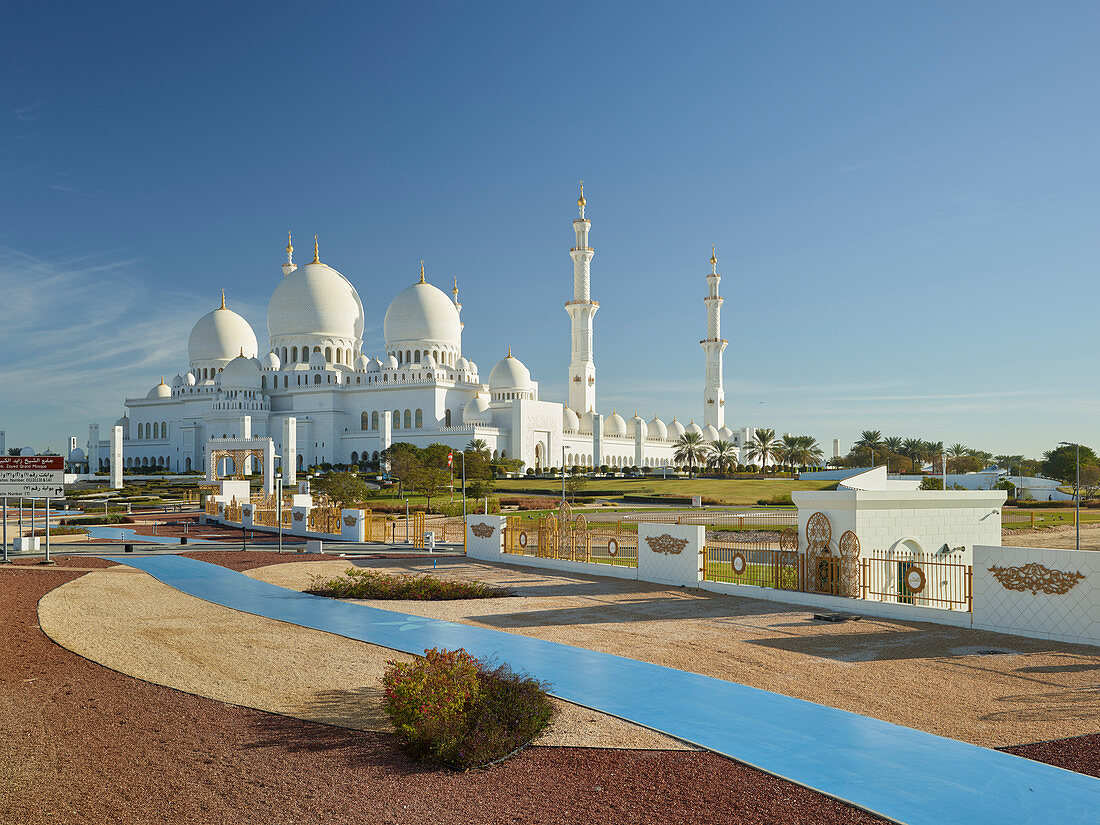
(30, 113)
(80, 334)
(64, 187)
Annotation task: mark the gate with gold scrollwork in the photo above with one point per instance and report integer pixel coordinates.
(561, 536)
(788, 562)
(822, 569)
(239, 458)
(849, 584)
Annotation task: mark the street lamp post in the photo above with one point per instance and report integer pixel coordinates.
(1076, 489)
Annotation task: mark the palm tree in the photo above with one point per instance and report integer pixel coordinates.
(809, 452)
(722, 456)
(913, 449)
(934, 451)
(763, 446)
(478, 445)
(957, 451)
(893, 443)
(869, 440)
(690, 450)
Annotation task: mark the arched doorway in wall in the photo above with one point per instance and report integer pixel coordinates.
(354, 457)
(187, 465)
(301, 463)
(910, 577)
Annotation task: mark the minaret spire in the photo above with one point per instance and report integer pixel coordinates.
(421, 271)
(582, 309)
(223, 299)
(316, 252)
(714, 395)
(289, 266)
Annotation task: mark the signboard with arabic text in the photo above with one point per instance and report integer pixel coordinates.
(32, 476)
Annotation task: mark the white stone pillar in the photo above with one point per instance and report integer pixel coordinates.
(597, 441)
(116, 458)
(290, 451)
(245, 427)
(269, 467)
(641, 431)
(93, 447)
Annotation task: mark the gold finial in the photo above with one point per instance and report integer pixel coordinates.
(242, 352)
(455, 290)
(581, 201)
(316, 253)
(422, 270)
(509, 350)
(162, 379)
(289, 245)
(713, 256)
(223, 299)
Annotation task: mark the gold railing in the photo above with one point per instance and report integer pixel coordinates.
(923, 579)
(233, 511)
(761, 564)
(560, 536)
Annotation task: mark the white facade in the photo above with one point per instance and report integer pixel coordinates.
(347, 406)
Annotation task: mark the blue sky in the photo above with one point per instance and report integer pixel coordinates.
(904, 197)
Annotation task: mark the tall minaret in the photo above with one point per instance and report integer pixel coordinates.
(289, 266)
(714, 397)
(582, 366)
(458, 306)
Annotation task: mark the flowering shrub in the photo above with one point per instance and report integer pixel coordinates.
(359, 583)
(453, 709)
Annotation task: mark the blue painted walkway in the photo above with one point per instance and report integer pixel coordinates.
(903, 774)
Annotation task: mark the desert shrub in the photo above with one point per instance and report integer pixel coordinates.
(116, 519)
(529, 502)
(455, 710)
(61, 531)
(358, 583)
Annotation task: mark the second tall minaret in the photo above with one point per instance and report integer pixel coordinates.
(714, 396)
(582, 309)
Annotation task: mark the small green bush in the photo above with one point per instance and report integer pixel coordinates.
(455, 710)
(779, 499)
(99, 520)
(357, 583)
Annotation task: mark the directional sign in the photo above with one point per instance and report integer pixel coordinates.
(32, 476)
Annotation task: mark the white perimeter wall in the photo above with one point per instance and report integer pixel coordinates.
(1070, 617)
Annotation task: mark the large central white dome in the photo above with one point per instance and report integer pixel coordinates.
(315, 299)
(422, 314)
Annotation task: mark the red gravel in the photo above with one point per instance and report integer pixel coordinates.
(1077, 753)
(83, 744)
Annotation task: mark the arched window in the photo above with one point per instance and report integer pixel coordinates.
(286, 381)
(156, 430)
(315, 349)
(364, 421)
(374, 455)
(408, 356)
(317, 378)
(339, 356)
(400, 356)
(163, 429)
(374, 420)
(446, 418)
(397, 419)
(408, 419)
(263, 382)
(385, 378)
(301, 462)
(354, 457)
(328, 354)
(294, 353)
(435, 355)
(419, 419)
(416, 357)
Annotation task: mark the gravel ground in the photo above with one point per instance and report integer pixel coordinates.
(1062, 538)
(83, 744)
(1080, 753)
(1035, 690)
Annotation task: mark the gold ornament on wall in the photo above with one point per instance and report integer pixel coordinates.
(351, 521)
(1036, 578)
(482, 530)
(666, 544)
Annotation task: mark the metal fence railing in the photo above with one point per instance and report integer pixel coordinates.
(762, 564)
(922, 579)
(766, 519)
(572, 540)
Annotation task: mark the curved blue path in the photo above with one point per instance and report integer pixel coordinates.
(899, 773)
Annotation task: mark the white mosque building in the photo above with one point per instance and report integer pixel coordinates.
(320, 398)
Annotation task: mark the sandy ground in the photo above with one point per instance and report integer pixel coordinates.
(128, 621)
(925, 676)
(1057, 538)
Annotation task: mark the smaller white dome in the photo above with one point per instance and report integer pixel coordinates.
(189, 379)
(317, 360)
(462, 365)
(77, 455)
(123, 422)
(709, 433)
(510, 374)
(614, 425)
(177, 381)
(242, 373)
(657, 428)
(271, 362)
(726, 434)
(569, 419)
(587, 420)
(477, 411)
(390, 362)
(429, 363)
(675, 429)
(693, 428)
(161, 390)
(362, 363)
(374, 365)
(473, 367)
(27, 451)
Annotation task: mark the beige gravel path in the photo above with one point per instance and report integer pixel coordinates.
(126, 620)
(924, 676)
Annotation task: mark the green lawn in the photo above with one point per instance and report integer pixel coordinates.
(724, 491)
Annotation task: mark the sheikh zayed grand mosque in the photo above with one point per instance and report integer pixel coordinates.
(320, 398)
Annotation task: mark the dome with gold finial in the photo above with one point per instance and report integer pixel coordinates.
(316, 305)
(713, 256)
(422, 318)
(218, 337)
